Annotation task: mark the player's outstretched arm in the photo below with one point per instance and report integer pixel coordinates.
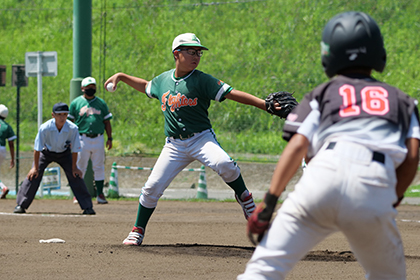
(408, 169)
(246, 98)
(138, 84)
(279, 103)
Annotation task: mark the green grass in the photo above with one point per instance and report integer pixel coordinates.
(413, 191)
(256, 46)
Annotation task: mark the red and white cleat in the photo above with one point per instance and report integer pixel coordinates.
(248, 205)
(4, 192)
(135, 237)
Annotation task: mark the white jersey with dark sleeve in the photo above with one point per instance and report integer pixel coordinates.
(356, 109)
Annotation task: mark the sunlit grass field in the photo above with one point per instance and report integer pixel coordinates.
(258, 46)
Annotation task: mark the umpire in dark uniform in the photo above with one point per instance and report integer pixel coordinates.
(57, 141)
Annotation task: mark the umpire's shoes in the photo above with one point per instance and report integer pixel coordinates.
(19, 210)
(89, 211)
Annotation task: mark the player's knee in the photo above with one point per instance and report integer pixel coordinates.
(150, 195)
(148, 200)
(228, 170)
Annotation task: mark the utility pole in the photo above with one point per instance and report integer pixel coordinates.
(18, 80)
(82, 61)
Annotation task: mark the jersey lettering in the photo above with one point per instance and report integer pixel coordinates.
(163, 107)
(374, 100)
(349, 107)
(89, 111)
(177, 101)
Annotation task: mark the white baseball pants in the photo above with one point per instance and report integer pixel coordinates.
(93, 149)
(342, 189)
(177, 154)
(3, 154)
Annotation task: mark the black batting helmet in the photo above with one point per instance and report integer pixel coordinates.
(352, 39)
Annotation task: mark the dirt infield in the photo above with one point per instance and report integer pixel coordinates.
(184, 240)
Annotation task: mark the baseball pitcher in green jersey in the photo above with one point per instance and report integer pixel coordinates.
(184, 95)
(6, 134)
(91, 114)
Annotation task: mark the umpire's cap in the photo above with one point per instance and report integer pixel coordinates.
(187, 40)
(60, 108)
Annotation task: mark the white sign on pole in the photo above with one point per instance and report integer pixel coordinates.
(38, 64)
(48, 66)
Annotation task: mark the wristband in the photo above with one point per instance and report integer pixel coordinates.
(110, 138)
(270, 202)
(398, 202)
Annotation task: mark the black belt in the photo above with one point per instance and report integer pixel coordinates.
(91, 135)
(45, 150)
(377, 156)
(183, 137)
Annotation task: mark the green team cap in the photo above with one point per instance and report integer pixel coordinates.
(187, 40)
(88, 81)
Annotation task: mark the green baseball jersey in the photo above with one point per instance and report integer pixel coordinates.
(6, 133)
(185, 101)
(89, 114)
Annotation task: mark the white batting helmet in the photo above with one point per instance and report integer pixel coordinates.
(4, 112)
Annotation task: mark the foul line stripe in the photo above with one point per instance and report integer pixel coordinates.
(42, 215)
(409, 221)
(81, 215)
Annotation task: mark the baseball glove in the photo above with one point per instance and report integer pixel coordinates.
(285, 100)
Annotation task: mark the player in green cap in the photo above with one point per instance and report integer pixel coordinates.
(91, 114)
(185, 94)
